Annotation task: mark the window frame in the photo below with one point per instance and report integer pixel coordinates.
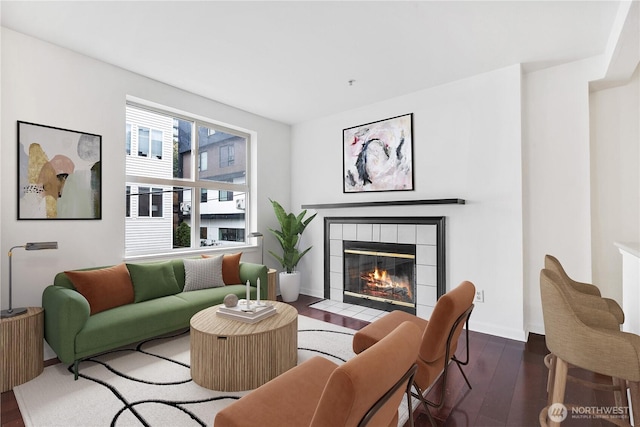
(194, 183)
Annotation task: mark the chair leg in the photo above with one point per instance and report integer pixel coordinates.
(409, 405)
(419, 394)
(458, 363)
(620, 392)
(559, 385)
(550, 361)
(634, 388)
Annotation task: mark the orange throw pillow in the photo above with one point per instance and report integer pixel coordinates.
(104, 288)
(230, 268)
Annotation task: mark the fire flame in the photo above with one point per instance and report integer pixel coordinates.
(380, 280)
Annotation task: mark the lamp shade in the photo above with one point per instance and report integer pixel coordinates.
(32, 246)
(36, 246)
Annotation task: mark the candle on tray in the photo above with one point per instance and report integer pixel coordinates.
(258, 297)
(248, 295)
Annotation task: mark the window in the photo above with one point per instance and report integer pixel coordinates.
(143, 142)
(202, 165)
(232, 234)
(171, 171)
(128, 139)
(225, 196)
(128, 204)
(226, 156)
(150, 202)
(156, 144)
(149, 143)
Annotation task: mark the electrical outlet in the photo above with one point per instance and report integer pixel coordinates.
(479, 295)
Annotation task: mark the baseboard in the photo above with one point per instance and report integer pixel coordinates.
(492, 329)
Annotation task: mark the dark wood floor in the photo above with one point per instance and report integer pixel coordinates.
(508, 379)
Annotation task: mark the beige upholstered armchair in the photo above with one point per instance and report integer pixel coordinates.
(588, 297)
(590, 339)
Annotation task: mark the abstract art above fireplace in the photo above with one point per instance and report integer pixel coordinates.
(411, 246)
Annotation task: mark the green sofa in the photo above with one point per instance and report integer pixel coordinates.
(73, 333)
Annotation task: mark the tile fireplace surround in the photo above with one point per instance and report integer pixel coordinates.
(427, 233)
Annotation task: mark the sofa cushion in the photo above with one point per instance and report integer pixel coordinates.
(231, 269)
(153, 280)
(205, 298)
(131, 323)
(203, 273)
(104, 288)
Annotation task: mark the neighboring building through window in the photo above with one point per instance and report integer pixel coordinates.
(232, 234)
(202, 159)
(225, 196)
(150, 202)
(171, 158)
(227, 156)
(128, 140)
(128, 204)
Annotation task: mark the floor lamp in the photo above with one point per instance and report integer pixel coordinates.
(257, 234)
(29, 247)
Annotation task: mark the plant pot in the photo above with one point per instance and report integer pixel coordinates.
(289, 286)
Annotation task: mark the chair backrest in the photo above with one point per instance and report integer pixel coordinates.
(358, 385)
(552, 263)
(585, 294)
(448, 309)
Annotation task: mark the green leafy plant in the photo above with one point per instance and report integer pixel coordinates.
(291, 228)
(182, 238)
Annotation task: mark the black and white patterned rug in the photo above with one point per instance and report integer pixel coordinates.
(150, 384)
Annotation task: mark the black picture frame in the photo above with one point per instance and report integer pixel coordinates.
(378, 156)
(59, 173)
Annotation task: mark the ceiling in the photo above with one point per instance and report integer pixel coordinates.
(292, 61)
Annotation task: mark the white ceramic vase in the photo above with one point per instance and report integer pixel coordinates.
(289, 286)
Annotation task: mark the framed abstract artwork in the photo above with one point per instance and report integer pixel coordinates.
(59, 173)
(378, 156)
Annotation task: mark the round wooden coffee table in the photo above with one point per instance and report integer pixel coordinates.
(231, 355)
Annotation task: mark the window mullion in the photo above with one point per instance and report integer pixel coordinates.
(195, 217)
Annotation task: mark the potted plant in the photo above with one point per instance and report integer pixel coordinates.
(291, 228)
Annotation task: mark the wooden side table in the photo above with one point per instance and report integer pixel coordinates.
(271, 284)
(21, 351)
(231, 355)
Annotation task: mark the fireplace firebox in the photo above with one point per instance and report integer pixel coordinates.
(380, 275)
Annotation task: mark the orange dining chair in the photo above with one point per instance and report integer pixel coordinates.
(364, 391)
(438, 340)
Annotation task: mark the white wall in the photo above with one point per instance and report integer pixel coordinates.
(556, 175)
(48, 85)
(467, 144)
(615, 149)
